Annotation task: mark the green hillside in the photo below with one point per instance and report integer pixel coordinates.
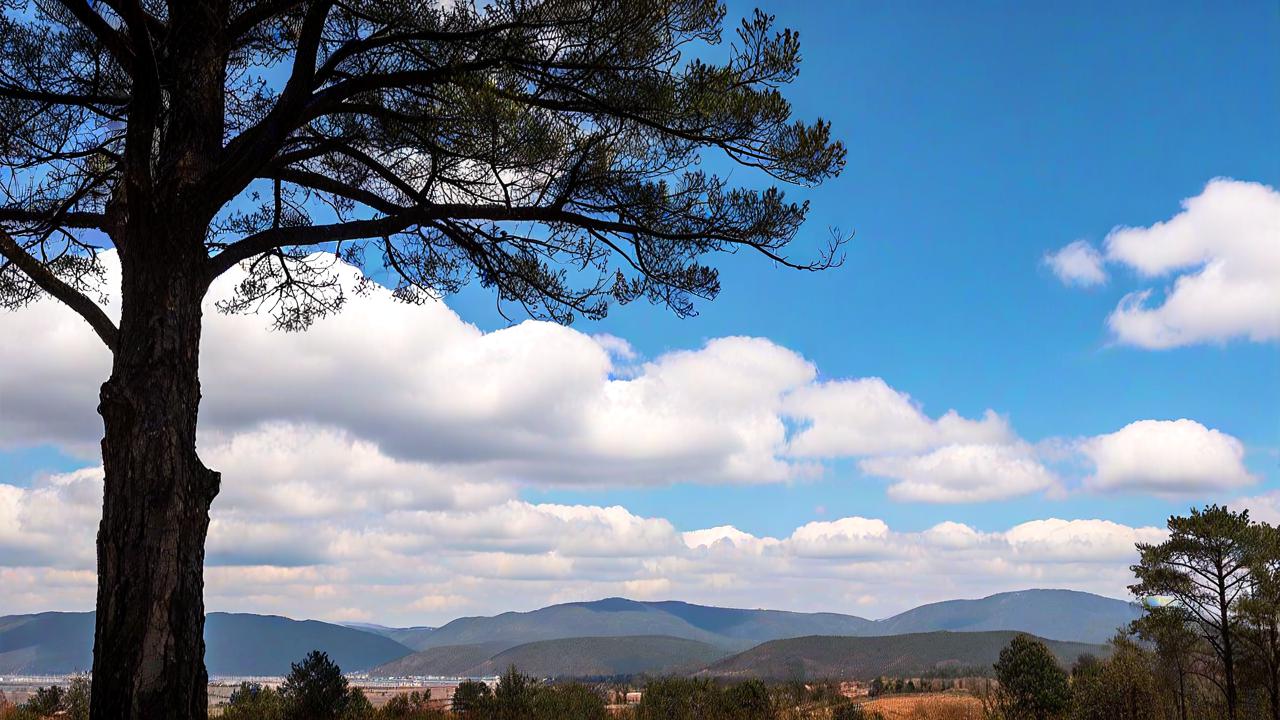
(613, 617)
(1057, 614)
(564, 657)
(597, 656)
(868, 657)
(443, 661)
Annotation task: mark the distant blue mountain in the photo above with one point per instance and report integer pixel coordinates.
(239, 644)
(409, 636)
(1054, 614)
(235, 644)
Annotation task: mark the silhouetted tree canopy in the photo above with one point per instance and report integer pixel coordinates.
(1204, 567)
(557, 152)
(549, 149)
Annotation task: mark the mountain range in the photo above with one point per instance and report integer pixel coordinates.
(564, 657)
(614, 636)
(893, 655)
(1053, 614)
(55, 643)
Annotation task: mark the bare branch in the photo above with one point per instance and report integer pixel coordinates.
(55, 286)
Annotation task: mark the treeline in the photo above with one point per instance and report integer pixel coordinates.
(71, 702)
(1207, 646)
(317, 690)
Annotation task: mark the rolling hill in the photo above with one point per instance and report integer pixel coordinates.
(614, 617)
(47, 643)
(258, 644)
(566, 657)
(411, 637)
(236, 644)
(868, 657)
(443, 661)
(1056, 614)
(595, 656)
(241, 644)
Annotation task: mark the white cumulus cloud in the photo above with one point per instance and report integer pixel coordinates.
(963, 473)
(1079, 263)
(1220, 257)
(1171, 457)
(866, 416)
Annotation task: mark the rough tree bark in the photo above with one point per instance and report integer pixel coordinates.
(148, 657)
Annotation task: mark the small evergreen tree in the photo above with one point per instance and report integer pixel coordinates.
(749, 700)
(471, 698)
(75, 701)
(355, 706)
(315, 689)
(1032, 684)
(1204, 565)
(513, 696)
(680, 698)
(253, 701)
(569, 700)
(1121, 688)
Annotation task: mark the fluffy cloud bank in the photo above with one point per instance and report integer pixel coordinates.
(373, 467)
(437, 411)
(1223, 256)
(963, 473)
(535, 403)
(351, 561)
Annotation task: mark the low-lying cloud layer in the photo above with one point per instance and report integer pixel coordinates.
(537, 403)
(373, 469)
(488, 554)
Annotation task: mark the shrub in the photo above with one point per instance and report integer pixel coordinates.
(749, 700)
(471, 698)
(408, 706)
(678, 698)
(569, 701)
(46, 701)
(252, 701)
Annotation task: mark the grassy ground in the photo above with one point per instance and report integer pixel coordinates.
(927, 706)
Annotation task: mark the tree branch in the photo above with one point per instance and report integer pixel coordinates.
(83, 220)
(58, 288)
(379, 227)
(107, 35)
(250, 150)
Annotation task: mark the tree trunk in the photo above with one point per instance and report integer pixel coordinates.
(148, 657)
(1228, 654)
(1182, 693)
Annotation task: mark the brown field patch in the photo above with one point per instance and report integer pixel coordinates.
(927, 706)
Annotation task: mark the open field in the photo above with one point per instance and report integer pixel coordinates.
(927, 706)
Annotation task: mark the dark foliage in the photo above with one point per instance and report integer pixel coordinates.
(1033, 686)
(471, 698)
(315, 689)
(550, 150)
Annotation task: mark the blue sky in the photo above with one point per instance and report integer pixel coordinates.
(982, 138)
